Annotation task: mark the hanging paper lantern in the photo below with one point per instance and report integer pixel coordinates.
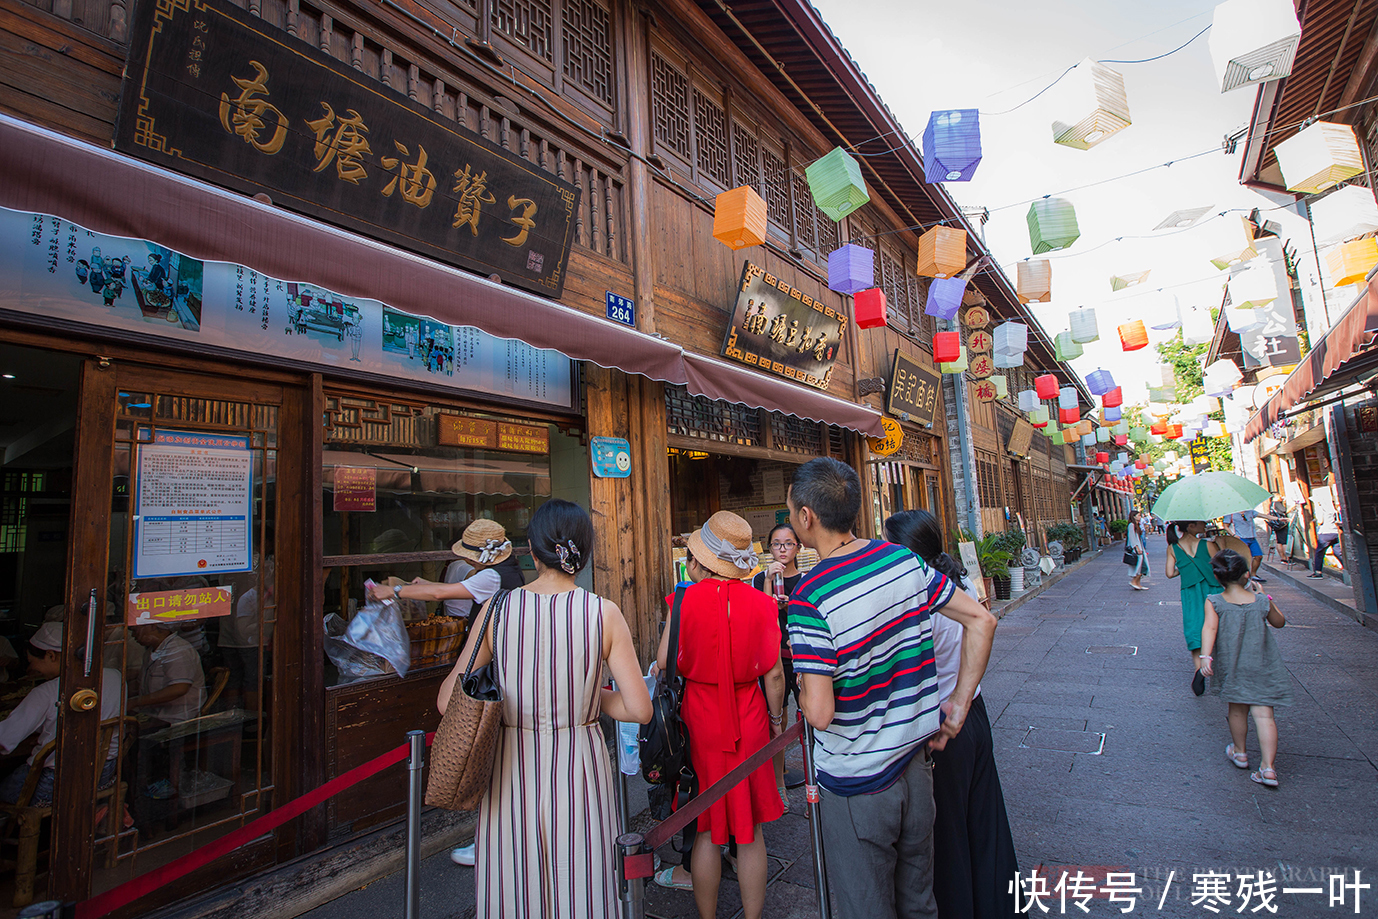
(1159, 427)
(1165, 312)
(836, 184)
(1028, 400)
(1132, 279)
(942, 252)
(1203, 405)
(957, 366)
(1244, 320)
(1110, 414)
(1174, 431)
(1002, 386)
(868, 306)
(1133, 335)
(1089, 105)
(1067, 397)
(739, 218)
(1229, 240)
(1064, 348)
(1083, 326)
(851, 269)
(1113, 399)
(1088, 440)
(1253, 41)
(1069, 415)
(946, 346)
(1005, 361)
(1345, 213)
(1102, 459)
(1085, 427)
(1197, 326)
(1121, 439)
(952, 145)
(1318, 157)
(1038, 417)
(1351, 262)
(1138, 433)
(1122, 427)
(1046, 386)
(1034, 280)
(1103, 435)
(1168, 374)
(1225, 370)
(945, 297)
(1052, 225)
(1254, 285)
(1011, 337)
(1100, 382)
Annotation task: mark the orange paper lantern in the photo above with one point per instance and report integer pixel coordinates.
(942, 252)
(1351, 262)
(739, 218)
(1133, 335)
(1159, 427)
(868, 306)
(1174, 431)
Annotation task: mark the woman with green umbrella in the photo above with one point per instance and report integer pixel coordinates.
(1187, 504)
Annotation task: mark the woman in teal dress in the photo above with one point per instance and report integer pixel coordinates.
(1189, 557)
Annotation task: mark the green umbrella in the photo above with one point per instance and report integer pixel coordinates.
(1208, 495)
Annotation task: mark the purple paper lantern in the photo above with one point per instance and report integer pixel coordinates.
(945, 297)
(1110, 414)
(851, 269)
(1100, 382)
(952, 146)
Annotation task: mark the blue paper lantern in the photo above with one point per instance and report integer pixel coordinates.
(1100, 382)
(851, 269)
(952, 145)
(1110, 414)
(945, 297)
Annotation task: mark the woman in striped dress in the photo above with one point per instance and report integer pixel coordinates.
(547, 829)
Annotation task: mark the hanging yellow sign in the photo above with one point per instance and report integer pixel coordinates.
(891, 442)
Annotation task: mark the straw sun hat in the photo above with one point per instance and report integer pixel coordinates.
(484, 542)
(731, 555)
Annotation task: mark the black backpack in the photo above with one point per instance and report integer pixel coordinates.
(664, 740)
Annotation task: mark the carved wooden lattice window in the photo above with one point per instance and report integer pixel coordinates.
(837, 441)
(670, 105)
(803, 214)
(796, 435)
(747, 158)
(527, 22)
(828, 236)
(710, 135)
(588, 49)
(695, 416)
(777, 188)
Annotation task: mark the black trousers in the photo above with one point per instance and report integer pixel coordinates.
(973, 849)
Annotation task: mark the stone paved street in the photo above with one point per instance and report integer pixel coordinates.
(1089, 657)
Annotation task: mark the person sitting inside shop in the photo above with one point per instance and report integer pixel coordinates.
(173, 685)
(37, 714)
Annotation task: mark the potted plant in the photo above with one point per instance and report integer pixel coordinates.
(1012, 541)
(1118, 528)
(994, 560)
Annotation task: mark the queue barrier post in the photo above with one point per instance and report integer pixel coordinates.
(416, 761)
(811, 794)
(637, 862)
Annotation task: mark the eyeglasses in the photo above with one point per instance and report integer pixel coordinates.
(783, 545)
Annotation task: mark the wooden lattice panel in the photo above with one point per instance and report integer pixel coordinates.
(527, 22)
(670, 106)
(710, 136)
(588, 49)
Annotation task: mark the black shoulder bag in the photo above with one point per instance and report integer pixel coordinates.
(664, 740)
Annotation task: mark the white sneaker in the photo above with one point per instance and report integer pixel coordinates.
(464, 855)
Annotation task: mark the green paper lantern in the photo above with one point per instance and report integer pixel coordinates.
(1064, 348)
(1052, 225)
(836, 184)
(1138, 433)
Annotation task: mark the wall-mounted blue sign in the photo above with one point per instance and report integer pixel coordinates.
(621, 309)
(612, 457)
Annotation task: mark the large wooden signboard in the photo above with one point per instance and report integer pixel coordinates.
(212, 91)
(782, 330)
(913, 389)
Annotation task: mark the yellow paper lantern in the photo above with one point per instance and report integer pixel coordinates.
(1318, 157)
(1351, 262)
(1034, 280)
(739, 218)
(942, 252)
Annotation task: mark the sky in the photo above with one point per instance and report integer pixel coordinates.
(993, 55)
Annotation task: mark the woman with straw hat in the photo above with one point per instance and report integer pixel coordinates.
(484, 544)
(729, 637)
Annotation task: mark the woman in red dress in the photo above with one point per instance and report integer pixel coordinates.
(729, 637)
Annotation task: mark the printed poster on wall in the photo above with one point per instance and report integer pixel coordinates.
(193, 500)
(55, 269)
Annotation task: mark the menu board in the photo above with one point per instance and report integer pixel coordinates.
(193, 499)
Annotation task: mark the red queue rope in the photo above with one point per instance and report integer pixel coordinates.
(105, 903)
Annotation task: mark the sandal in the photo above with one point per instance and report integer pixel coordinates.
(1239, 759)
(784, 799)
(1265, 775)
(665, 877)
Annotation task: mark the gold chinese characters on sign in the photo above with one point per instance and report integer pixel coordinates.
(891, 442)
(913, 389)
(780, 329)
(524, 438)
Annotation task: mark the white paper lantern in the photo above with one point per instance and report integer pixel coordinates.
(1102, 435)
(1253, 285)
(1317, 157)
(1088, 440)
(1028, 400)
(1122, 458)
(1155, 438)
(1083, 326)
(1197, 326)
(1344, 214)
(1225, 370)
(1168, 374)
(1067, 397)
(1253, 41)
(1227, 240)
(1244, 320)
(1034, 280)
(1163, 312)
(1089, 105)
(1214, 386)
(1007, 361)
(1011, 337)
(1203, 405)
(1122, 427)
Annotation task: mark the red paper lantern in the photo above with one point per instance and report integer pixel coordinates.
(1133, 335)
(1174, 431)
(1159, 427)
(1039, 424)
(1140, 464)
(1069, 415)
(1114, 398)
(1102, 458)
(1121, 439)
(947, 347)
(868, 306)
(1046, 386)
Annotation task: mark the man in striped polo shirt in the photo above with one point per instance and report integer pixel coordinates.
(862, 639)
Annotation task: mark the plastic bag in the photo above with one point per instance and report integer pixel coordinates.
(628, 745)
(378, 629)
(352, 663)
